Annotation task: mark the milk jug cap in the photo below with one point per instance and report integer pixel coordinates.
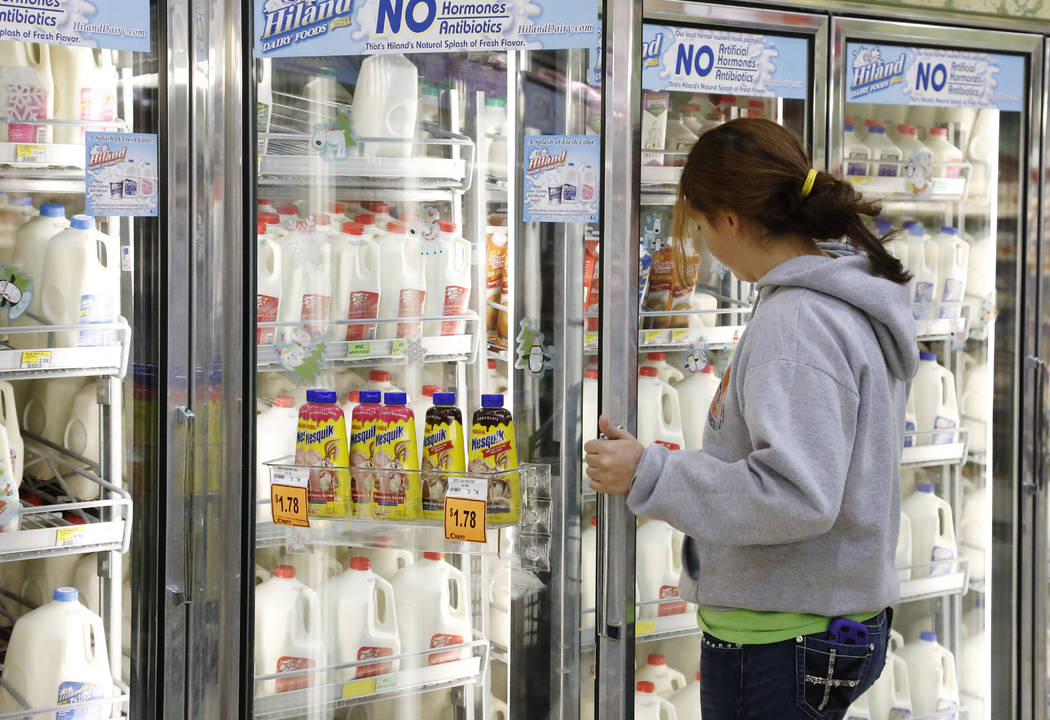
(65, 594)
(397, 227)
(657, 659)
(395, 398)
(942, 132)
(325, 397)
(284, 401)
(708, 370)
(53, 210)
(949, 230)
(260, 227)
(433, 556)
(698, 676)
(82, 222)
(287, 209)
(916, 230)
(353, 228)
(430, 390)
(371, 397)
(446, 226)
(336, 208)
(270, 218)
(365, 219)
(492, 364)
(644, 686)
(594, 521)
(928, 636)
(379, 376)
(20, 201)
(353, 396)
(877, 130)
(848, 127)
(444, 398)
(590, 374)
(657, 356)
(492, 401)
(906, 130)
(379, 208)
(284, 571)
(924, 487)
(360, 563)
(648, 372)
(928, 356)
(263, 201)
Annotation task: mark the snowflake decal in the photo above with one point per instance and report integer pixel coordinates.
(415, 352)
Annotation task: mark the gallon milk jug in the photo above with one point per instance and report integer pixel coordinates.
(46, 413)
(357, 284)
(30, 251)
(385, 104)
(932, 530)
(984, 144)
(499, 606)
(665, 371)
(922, 261)
(909, 143)
(269, 287)
(665, 679)
(588, 573)
(287, 631)
(903, 556)
(386, 562)
(890, 696)
(27, 91)
(882, 148)
(403, 279)
(81, 436)
(860, 709)
(312, 569)
(86, 581)
(686, 700)
(974, 672)
(658, 571)
(275, 430)
(695, 394)
(953, 254)
(973, 527)
(931, 675)
(944, 152)
(650, 706)
(57, 656)
(935, 402)
(85, 90)
(974, 406)
(307, 283)
(359, 621)
(857, 153)
(659, 416)
(81, 282)
(447, 263)
(432, 609)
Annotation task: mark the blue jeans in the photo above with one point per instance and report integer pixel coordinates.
(804, 678)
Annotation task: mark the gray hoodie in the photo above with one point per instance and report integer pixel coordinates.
(794, 503)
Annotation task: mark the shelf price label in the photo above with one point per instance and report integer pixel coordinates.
(66, 536)
(30, 153)
(36, 360)
(653, 337)
(590, 339)
(288, 504)
(358, 350)
(397, 347)
(466, 501)
(680, 336)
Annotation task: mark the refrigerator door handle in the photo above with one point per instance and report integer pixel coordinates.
(185, 424)
(1041, 426)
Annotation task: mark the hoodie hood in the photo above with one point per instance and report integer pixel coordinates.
(848, 274)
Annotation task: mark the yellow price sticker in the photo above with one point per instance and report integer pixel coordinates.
(288, 505)
(680, 336)
(644, 627)
(652, 337)
(358, 350)
(30, 153)
(36, 359)
(397, 347)
(358, 688)
(67, 535)
(590, 338)
(465, 519)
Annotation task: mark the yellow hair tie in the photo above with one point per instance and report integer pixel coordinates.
(808, 185)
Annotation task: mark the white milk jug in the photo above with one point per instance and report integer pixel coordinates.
(81, 436)
(269, 283)
(57, 656)
(499, 606)
(590, 405)
(81, 282)
(932, 530)
(588, 573)
(307, 284)
(890, 695)
(903, 556)
(356, 282)
(931, 675)
(46, 413)
(85, 90)
(974, 671)
(275, 433)
(659, 414)
(27, 91)
(658, 571)
(42, 575)
(360, 621)
(686, 700)
(860, 709)
(86, 581)
(403, 279)
(882, 148)
(974, 405)
(922, 261)
(447, 279)
(30, 251)
(973, 525)
(287, 631)
(312, 569)
(953, 254)
(980, 279)
(386, 562)
(650, 706)
(385, 104)
(665, 371)
(432, 609)
(909, 143)
(665, 679)
(936, 407)
(857, 153)
(944, 152)
(695, 395)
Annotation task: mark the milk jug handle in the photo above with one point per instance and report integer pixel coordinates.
(667, 711)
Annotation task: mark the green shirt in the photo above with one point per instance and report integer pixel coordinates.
(757, 627)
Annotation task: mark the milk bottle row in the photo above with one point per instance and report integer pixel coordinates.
(359, 616)
(940, 266)
(879, 150)
(55, 82)
(315, 272)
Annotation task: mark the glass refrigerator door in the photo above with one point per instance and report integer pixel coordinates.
(937, 124)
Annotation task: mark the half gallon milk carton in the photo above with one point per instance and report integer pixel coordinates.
(287, 632)
(953, 254)
(658, 571)
(432, 609)
(650, 706)
(932, 530)
(360, 621)
(931, 675)
(936, 406)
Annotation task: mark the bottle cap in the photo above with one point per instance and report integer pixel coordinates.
(429, 390)
(492, 364)
(379, 208)
(433, 556)
(353, 396)
(932, 357)
(263, 201)
(73, 519)
(906, 130)
(324, 397)
(590, 374)
(371, 397)
(648, 372)
(594, 521)
(82, 222)
(284, 401)
(379, 376)
(270, 218)
(260, 227)
(446, 226)
(284, 571)
(360, 563)
(336, 208)
(877, 130)
(928, 636)
(698, 676)
(53, 210)
(66, 594)
(657, 356)
(848, 127)
(939, 132)
(708, 370)
(353, 228)
(656, 659)
(924, 487)
(949, 230)
(397, 227)
(287, 210)
(644, 686)
(916, 230)
(492, 401)
(365, 219)
(395, 398)
(444, 398)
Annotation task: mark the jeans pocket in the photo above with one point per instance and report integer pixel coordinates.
(829, 674)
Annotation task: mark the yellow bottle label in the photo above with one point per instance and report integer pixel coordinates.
(396, 495)
(363, 430)
(493, 449)
(442, 451)
(322, 445)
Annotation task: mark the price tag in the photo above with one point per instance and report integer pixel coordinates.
(465, 509)
(386, 683)
(30, 153)
(652, 337)
(358, 688)
(358, 350)
(590, 339)
(397, 347)
(288, 504)
(36, 359)
(680, 336)
(64, 537)
(644, 627)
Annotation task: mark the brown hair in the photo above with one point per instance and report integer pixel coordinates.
(756, 168)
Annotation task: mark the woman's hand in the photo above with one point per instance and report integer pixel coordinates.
(611, 463)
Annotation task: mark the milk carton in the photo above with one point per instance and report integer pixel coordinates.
(432, 600)
(360, 621)
(857, 153)
(268, 289)
(932, 530)
(85, 90)
(936, 407)
(27, 92)
(385, 104)
(650, 706)
(57, 656)
(275, 431)
(403, 282)
(588, 573)
(448, 281)
(695, 394)
(882, 148)
(287, 632)
(658, 568)
(931, 675)
(944, 152)
(654, 125)
(665, 679)
(659, 415)
(679, 138)
(357, 284)
(953, 254)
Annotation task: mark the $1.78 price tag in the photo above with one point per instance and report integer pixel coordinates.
(288, 504)
(466, 509)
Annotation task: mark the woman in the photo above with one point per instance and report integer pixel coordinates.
(792, 508)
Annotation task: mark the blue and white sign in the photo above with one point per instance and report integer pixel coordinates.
(298, 28)
(897, 75)
(117, 24)
(710, 61)
(121, 174)
(561, 178)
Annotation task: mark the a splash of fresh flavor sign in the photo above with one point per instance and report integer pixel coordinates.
(298, 28)
(117, 24)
